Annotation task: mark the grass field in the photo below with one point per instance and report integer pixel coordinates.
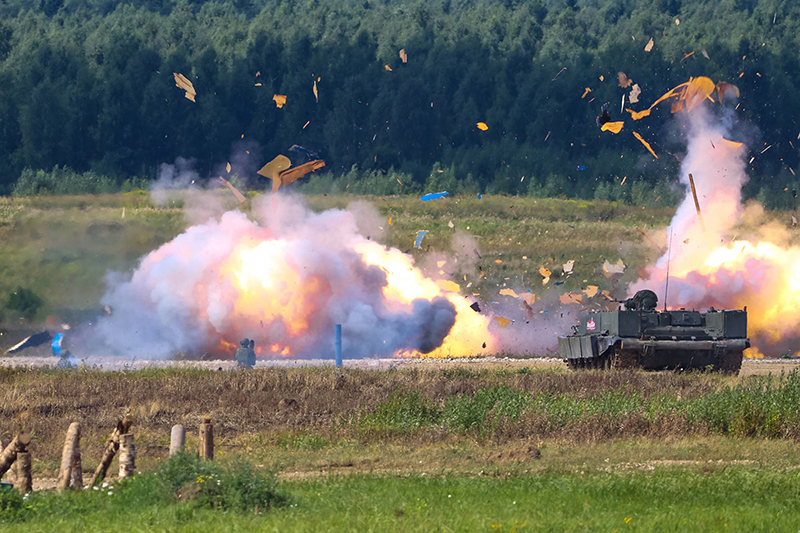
(715, 498)
(421, 448)
(445, 449)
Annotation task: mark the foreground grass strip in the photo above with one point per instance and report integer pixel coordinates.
(667, 499)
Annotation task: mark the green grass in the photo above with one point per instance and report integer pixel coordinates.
(733, 498)
(756, 406)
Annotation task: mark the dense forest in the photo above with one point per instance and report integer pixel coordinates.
(87, 87)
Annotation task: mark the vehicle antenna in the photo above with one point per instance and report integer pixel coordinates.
(666, 285)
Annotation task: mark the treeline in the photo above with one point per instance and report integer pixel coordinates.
(88, 85)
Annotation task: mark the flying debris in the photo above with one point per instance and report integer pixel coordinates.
(528, 310)
(418, 240)
(613, 268)
(32, 341)
(182, 82)
(637, 115)
(403, 55)
(624, 81)
(560, 72)
(645, 143)
(633, 97)
(508, 292)
(723, 87)
(688, 95)
(314, 90)
(482, 126)
(311, 154)
(447, 285)
(475, 306)
(280, 100)
(239, 196)
(502, 321)
(649, 45)
(433, 196)
(613, 127)
(603, 117)
(279, 171)
(586, 91)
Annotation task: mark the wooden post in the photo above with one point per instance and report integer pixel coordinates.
(127, 455)
(24, 479)
(207, 439)
(71, 444)
(177, 440)
(77, 471)
(112, 445)
(9, 454)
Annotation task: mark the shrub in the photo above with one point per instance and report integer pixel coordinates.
(470, 412)
(63, 180)
(199, 483)
(403, 411)
(24, 301)
(12, 505)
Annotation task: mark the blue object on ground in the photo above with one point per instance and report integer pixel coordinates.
(56, 344)
(433, 196)
(420, 235)
(337, 344)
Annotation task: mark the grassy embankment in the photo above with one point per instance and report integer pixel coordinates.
(450, 449)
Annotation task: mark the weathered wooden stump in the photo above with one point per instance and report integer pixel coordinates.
(24, 478)
(111, 448)
(71, 446)
(9, 453)
(177, 440)
(207, 439)
(127, 455)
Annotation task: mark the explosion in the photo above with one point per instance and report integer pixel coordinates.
(285, 281)
(707, 266)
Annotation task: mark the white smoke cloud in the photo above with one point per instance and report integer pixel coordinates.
(718, 169)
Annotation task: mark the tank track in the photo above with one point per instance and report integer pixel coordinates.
(730, 363)
(614, 358)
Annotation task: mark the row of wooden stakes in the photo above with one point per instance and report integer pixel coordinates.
(121, 440)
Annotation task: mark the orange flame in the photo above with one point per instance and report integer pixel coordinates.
(266, 288)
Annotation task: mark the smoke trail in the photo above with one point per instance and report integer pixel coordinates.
(718, 168)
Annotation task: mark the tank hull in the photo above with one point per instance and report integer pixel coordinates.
(652, 340)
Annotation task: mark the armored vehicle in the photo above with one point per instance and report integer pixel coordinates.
(639, 336)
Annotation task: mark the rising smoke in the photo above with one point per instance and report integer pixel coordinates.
(716, 262)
